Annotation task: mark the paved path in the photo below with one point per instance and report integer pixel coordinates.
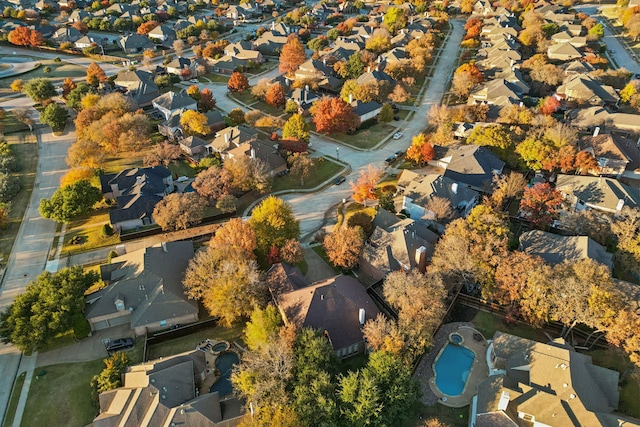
(317, 269)
(31, 248)
(27, 365)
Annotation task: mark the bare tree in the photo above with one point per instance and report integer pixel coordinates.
(163, 154)
(441, 209)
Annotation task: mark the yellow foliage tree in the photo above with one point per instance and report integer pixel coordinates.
(194, 122)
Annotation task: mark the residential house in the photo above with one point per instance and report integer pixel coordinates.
(140, 86)
(230, 138)
(269, 43)
(86, 41)
(135, 43)
(483, 7)
(227, 64)
(338, 306)
(171, 102)
(615, 154)
(591, 192)
(66, 34)
(144, 289)
(313, 69)
(583, 89)
(396, 244)
(303, 97)
(589, 118)
(182, 65)
(563, 52)
(194, 147)
(79, 15)
(469, 165)
(418, 190)
(551, 384)
(164, 34)
(556, 249)
(262, 151)
(244, 51)
(577, 67)
(136, 192)
(375, 76)
(168, 392)
(497, 92)
(366, 110)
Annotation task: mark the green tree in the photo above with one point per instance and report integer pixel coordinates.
(386, 114)
(353, 67)
(10, 185)
(74, 99)
(274, 223)
(111, 376)
(55, 116)
(46, 308)
(296, 128)
(262, 328)
(70, 201)
(39, 89)
(597, 31)
(394, 19)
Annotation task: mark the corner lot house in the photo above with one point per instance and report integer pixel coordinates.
(144, 289)
(339, 306)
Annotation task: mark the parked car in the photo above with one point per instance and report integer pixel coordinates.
(396, 118)
(339, 180)
(397, 135)
(399, 153)
(194, 81)
(119, 345)
(391, 159)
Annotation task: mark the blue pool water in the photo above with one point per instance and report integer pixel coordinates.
(225, 363)
(452, 369)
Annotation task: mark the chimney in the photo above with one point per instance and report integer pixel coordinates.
(226, 138)
(596, 131)
(368, 69)
(306, 88)
(620, 205)
(421, 259)
(361, 316)
(324, 61)
(350, 98)
(253, 153)
(454, 188)
(138, 180)
(164, 247)
(273, 25)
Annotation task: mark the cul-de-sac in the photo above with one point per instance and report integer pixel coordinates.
(319, 213)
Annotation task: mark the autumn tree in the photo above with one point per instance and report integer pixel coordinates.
(236, 234)
(213, 183)
(274, 223)
(276, 95)
(235, 117)
(333, 115)
(399, 94)
(465, 78)
(25, 36)
(76, 174)
(383, 334)
(248, 174)
(441, 209)
(421, 151)
(110, 377)
(626, 228)
(492, 136)
(292, 55)
(296, 127)
(365, 186)
(379, 42)
(507, 186)
(549, 105)
(67, 86)
(95, 75)
(146, 27)
(194, 123)
(540, 204)
(17, 85)
(343, 247)
(179, 211)
(238, 82)
(291, 252)
(302, 165)
(262, 328)
(226, 281)
(512, 275)
(163, 154)
(206, 101)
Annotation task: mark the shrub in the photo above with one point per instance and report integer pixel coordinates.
(107, 230)
(112, 255)
(46, 70)
(81, 327)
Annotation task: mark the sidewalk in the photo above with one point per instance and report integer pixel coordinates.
(27, 364)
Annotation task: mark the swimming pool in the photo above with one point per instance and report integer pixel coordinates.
(452, 369)
(225, 363)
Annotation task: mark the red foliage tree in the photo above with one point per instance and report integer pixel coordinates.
(333, 115)
(586, 162)
(294, 146)
(80, 26)
(292, 55)
(36, 39)
(24, 36)
(273, 257)
(238, 82)
(206, 102)
(276, 96)
(185, 73)
(540, 204)
(549, 105)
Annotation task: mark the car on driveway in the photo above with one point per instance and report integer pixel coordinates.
(339, 180)
(194, 81)
(397, 135)
(119, 345)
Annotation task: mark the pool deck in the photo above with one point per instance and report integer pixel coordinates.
(479, 370)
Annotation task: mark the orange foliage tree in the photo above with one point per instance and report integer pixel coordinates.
(276, 95)
(333, 115)
(292, 55)
(549, 105)
(540, 204)
(24, 36)
(421, 150)
(238, 82)
(95, 74)
(146, 27)
(365, 186)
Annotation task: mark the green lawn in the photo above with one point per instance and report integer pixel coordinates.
(244, 97)
(25, 149)
(189, 342)
(182, 168)
(215, 78)
(97, 216)
(450, 417)
(13, 403)
(366, 138)
(91, 239)
(354, 363)
(354, 208)
(123, 161)
(59, 71)
(325, 170)
(488, 324)
(11, 125)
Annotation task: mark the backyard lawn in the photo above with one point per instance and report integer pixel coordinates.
(366, 138)
(630, 391)
(189, 342)
(90, 238)
(11, 125)
(182, 168)
(488, 324)
(25, 149)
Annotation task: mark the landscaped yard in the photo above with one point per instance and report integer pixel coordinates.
(95, 217)
(451, 417)
(366, 138)
(11, 125)
(183, 168)
(125, 160)
(488, 324)
(215, 78)
(13, 403)
(90, 238)
(25, 149)
(189, 342)
(354, 208)
(325, 170)
(59, 70)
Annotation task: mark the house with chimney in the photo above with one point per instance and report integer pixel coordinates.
(135, 43)
(169, 391)
(556, 249)
(244, 51)
(468, 165)
(136, 192)
(171, 102)
(266, 153)
(139, 86)
(583, 89)
(396, 244)
(339, 306)
(601, 193)
(144, 290)
(614, 153)
(230, 138)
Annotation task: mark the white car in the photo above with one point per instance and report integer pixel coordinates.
(194, 81)
(397, 135)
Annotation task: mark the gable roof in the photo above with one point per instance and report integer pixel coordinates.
(174, 101)
(583, 87)
(424, 187)
(498, 92)
(331, 305)
(134, 41)
(262, 151)
(599, 192)
(614, 147)
(469, 164)
(556, 249)
(231, 137)
(149, 282)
